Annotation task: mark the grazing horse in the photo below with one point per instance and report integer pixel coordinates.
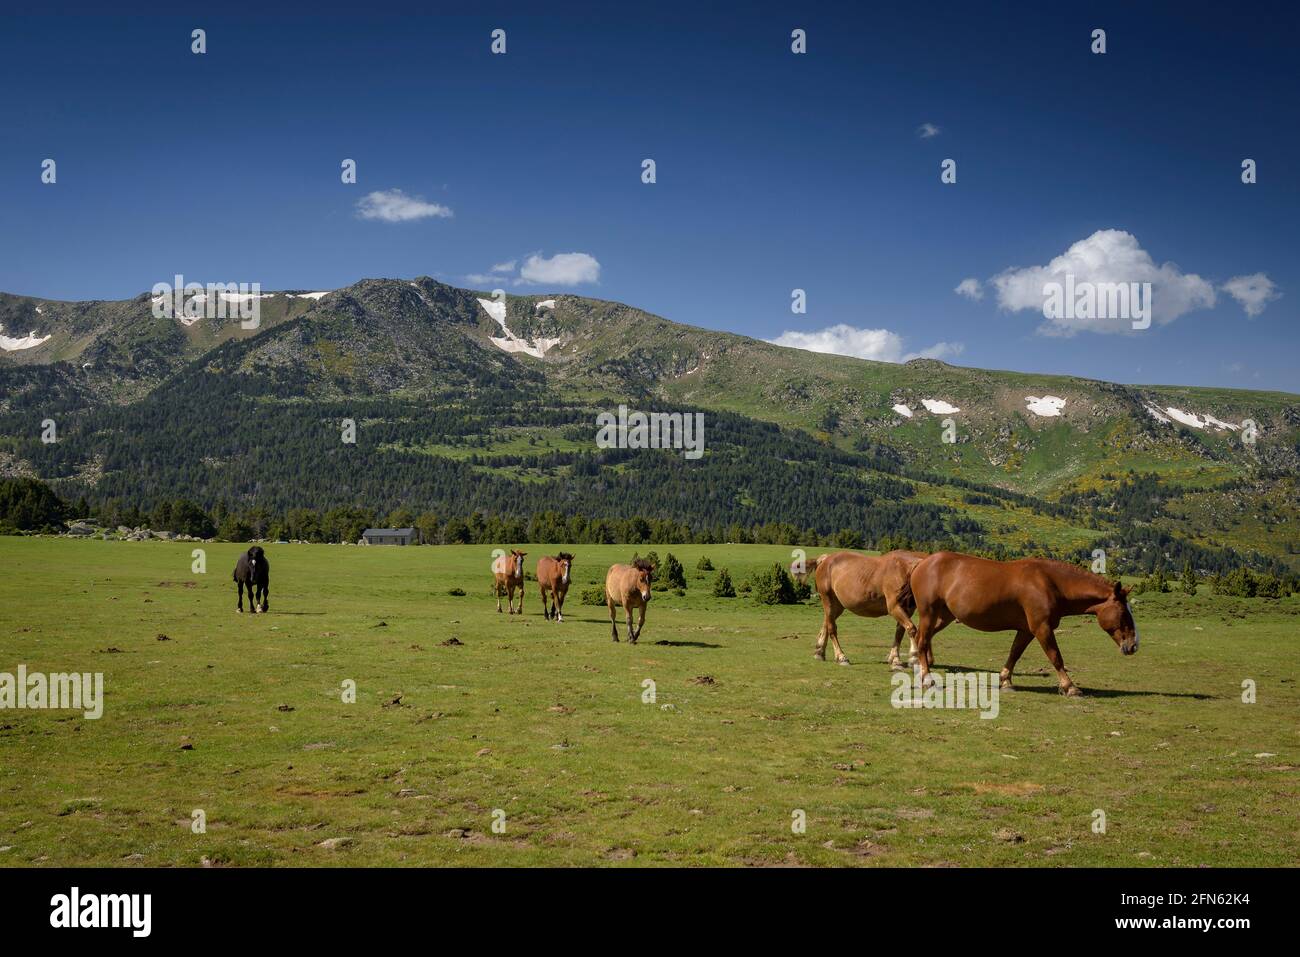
(507, 575)
(869, 586)
(1029, 597)
(629, 586)
(553, 580)
(253, 571)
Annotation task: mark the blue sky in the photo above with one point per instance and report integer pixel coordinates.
(775, 171)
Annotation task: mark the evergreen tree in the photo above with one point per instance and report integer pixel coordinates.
(722, 587)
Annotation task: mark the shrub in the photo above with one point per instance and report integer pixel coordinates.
(704, 565)
(773, 587)
(1155, 582)
(673, 575)
(1189, 578)
(722, 587)
(458, 592)
(593, 596)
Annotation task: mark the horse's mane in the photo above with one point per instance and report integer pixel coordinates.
(643, 564)
(564, 557)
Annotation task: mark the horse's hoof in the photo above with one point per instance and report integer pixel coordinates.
(239, 611)
(819, 655)
(1007, 686)
(841, 661)
(896, 666)
(1072, 692)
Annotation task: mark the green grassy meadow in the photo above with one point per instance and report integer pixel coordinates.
(546, 723)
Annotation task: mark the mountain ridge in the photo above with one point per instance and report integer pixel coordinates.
(422, 344)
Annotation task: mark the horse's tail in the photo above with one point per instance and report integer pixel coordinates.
(905, 599)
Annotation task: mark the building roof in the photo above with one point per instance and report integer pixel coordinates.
(389, 531)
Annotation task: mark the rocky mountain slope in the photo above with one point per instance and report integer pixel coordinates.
(506, 378)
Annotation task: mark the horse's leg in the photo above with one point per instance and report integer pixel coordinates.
(1023, 638)
(1047, 638)
(632, 634)
(894, 663)
(831, 609)
(905, 626)
(496, 587)
(930, 623)
(641, 622)
(559, 605)
(613, 620)
(239, 586)
(833, 633)
(521, 595)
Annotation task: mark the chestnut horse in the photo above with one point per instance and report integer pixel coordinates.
(629, 586)
(507, 575)
(553, 580)
(869, 586)
(1029, 597)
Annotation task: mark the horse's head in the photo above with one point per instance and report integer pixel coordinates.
(644, 577)
(1115, 618)
(566, 562)
(255, 555)
(517, 560)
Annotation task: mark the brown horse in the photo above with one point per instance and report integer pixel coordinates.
(507, 575)
(553, 580)
(1029, 597)
(869, 586)
(629, 586)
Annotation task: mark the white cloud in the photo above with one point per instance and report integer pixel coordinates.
(562, 269)
(394, 206)
(482, 279)
(1107, 256)
(881, 345)
(506, 266)
(940, 350)
(927, 131)
(1252, 292)
(970, 288)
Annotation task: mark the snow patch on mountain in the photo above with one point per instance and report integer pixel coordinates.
(938, 406)
(1046, 406)
(29, 341)
(1199, 422)
(508, 341)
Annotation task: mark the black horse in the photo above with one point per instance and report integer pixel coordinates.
(254, 571)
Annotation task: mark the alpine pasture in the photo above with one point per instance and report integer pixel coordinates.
(464, 718)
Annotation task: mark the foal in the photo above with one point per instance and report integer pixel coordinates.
(553, 580)
(629, 586)
(507, 576)
(253, 571)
